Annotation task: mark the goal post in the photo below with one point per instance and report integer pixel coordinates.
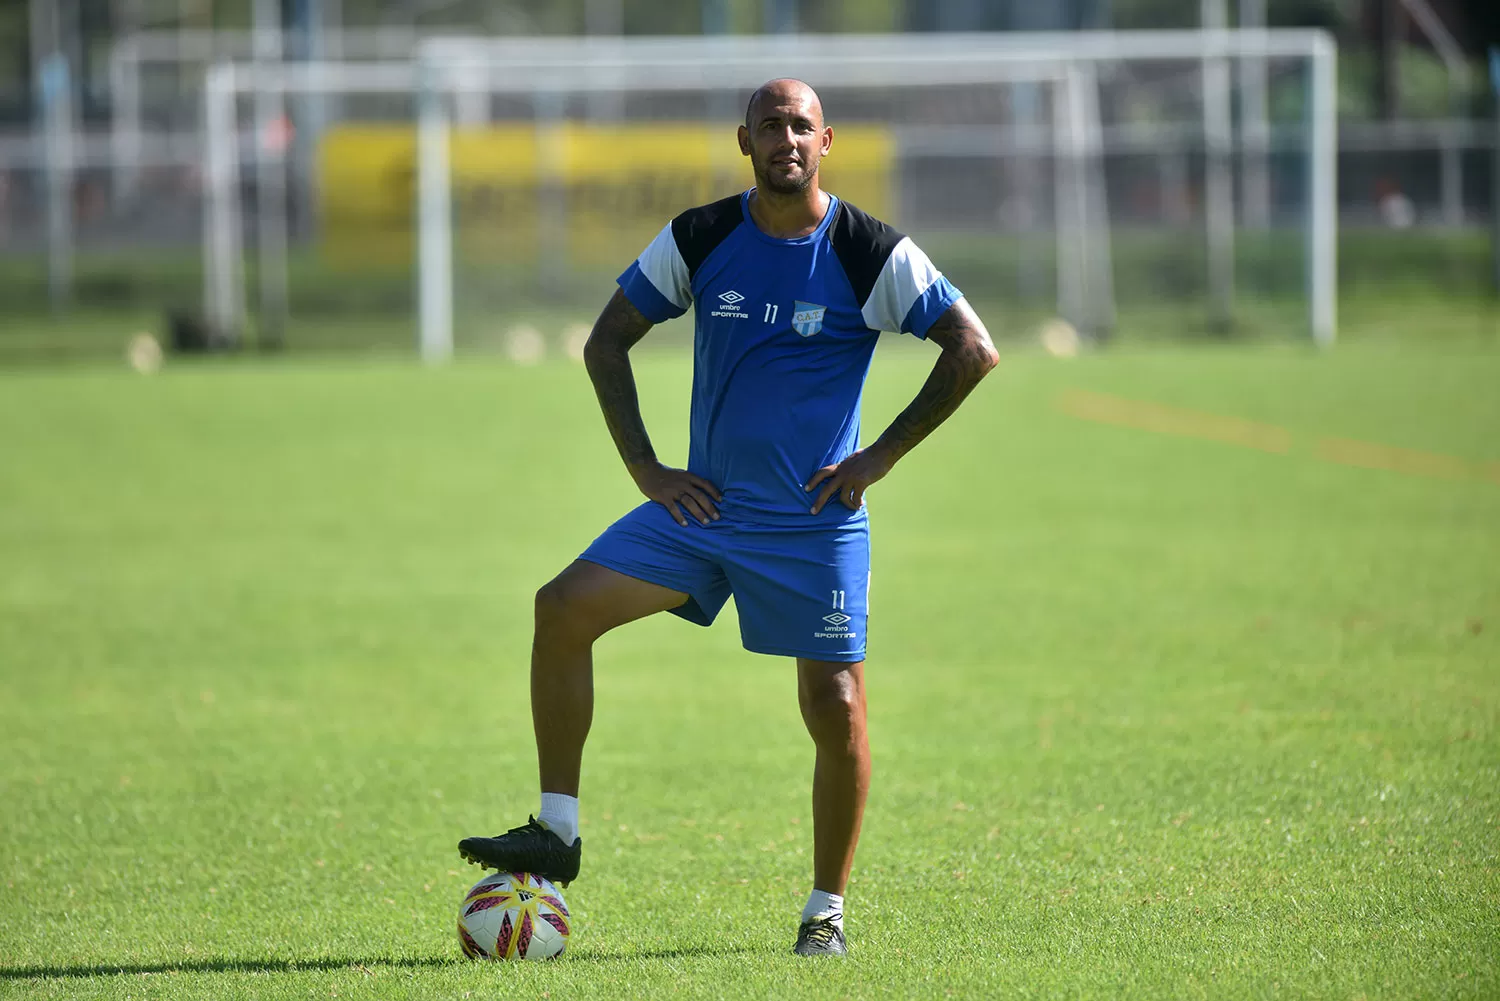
(1091, 176)
(435, 213)
(659, 78)
(715, 84)
(438, 87)
(225, 87)
(1091, 79)
(133, 56)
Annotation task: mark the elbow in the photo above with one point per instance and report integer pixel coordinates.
(981, 357)
(594, 352)
(971, 360)
(986, 358)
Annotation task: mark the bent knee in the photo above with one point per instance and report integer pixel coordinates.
(564, 609)
(556, 603)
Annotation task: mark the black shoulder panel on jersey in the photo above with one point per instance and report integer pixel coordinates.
(863, 245)
(698, 231)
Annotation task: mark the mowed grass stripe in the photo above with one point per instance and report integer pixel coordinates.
(1149, 718)
(1145, 415)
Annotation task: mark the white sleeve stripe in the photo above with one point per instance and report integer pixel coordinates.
(906, 275)
(662, 264)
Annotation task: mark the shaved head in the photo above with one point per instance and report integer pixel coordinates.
(782, 91)
(785, 137)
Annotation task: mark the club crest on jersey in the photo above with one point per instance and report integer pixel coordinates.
(807, 317)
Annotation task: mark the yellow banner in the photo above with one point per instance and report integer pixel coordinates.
(588, 194)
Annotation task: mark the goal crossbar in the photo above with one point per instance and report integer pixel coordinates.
(1085, 45)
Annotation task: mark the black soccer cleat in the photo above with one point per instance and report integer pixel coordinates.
(821, 937)
(528, 848)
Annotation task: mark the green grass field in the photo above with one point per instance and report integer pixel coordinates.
(1418, 283)
(1163, 704)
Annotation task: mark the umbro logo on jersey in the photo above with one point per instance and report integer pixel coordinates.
(729, 307)
(836, 619)
(807, 317)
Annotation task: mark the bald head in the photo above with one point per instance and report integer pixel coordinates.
(783, 93)
(785, 137)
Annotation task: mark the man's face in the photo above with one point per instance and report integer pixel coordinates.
(785, 139)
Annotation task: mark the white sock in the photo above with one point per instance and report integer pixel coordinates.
(822, 904)
(559, 814)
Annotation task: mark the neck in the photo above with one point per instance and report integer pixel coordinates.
(787, 217)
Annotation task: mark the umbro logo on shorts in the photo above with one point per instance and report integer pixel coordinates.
(836, 627)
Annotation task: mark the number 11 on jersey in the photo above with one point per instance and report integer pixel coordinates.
(838, 600)
(771, 310)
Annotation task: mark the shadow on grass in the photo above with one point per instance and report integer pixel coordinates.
(216, 966)
(687, 952)
(333, 963)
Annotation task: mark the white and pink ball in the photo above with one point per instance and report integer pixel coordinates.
(513, 915)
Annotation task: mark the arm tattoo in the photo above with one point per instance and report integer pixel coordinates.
(967, 357)
(607, 358)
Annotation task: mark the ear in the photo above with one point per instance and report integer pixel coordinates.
(827, 139)
(744, 137)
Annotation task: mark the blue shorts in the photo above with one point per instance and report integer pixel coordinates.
(800, 592)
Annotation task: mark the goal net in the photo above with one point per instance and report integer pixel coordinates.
(1130, 184)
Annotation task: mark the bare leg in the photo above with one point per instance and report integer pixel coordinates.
(574, 609)
(832, 697)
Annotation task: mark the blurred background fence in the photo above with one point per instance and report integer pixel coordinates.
(107, 172)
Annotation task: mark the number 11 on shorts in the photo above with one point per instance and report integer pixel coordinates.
(838, 600)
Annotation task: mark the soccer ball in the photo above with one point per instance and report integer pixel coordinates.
(513, 915)
(1060, 339)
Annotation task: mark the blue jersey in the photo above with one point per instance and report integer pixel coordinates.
(784, 333)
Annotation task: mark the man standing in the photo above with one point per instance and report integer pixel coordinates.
(792, 287)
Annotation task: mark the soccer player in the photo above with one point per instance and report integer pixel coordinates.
(792, 288)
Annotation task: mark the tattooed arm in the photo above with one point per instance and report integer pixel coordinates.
(967, 357)
(607, 358)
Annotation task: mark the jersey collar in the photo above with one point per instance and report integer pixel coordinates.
(813, 237)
